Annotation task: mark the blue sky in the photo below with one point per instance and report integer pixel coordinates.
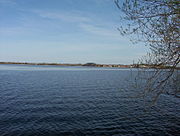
(64, 31)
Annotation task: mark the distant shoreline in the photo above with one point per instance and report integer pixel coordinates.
(67, 64)
(93, 65)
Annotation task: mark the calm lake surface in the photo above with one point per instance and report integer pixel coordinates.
(78, 101)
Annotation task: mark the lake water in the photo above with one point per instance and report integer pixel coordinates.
(78, 101)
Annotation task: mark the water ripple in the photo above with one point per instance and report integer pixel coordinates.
(79, 102)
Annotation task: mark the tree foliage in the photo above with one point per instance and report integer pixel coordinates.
(157, 24)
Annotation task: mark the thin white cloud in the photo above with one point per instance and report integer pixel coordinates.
(7, 31)
(85, 22)
(64, 16)
(99, 30)
(7, 2)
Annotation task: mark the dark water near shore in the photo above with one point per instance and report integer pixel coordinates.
(51, 100)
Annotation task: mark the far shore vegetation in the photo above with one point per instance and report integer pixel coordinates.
(95, 65)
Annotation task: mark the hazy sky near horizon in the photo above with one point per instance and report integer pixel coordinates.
(64, 31)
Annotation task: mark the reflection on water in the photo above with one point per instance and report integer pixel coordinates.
(51, 100)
